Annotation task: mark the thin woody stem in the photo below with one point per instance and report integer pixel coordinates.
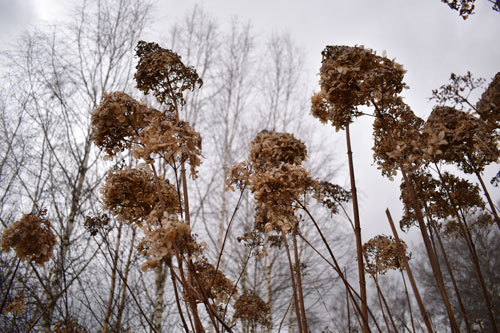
(357, 233)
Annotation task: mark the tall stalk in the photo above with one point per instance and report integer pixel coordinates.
(357, 233)
(408, 270)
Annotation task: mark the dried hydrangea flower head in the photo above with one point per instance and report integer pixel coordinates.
(162, 241)
(250, 308)
(351, 77)
(464, 7)
(404, 126)
(275, 177)
(439, 205)
(488, 106)
(271, 148)
(117, 121)
(214, 285)
(31, 237)
(457, 137)
(382, 254)
(330, 195)
(176, 141)
(277, 189)
(162, 71)
(131, 194)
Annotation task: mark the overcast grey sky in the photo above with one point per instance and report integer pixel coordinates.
(428, 38)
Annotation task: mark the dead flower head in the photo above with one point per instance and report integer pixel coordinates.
(250, 308)
(351, 77)
(488, 106)
(117, 121)
(31, 237)
(131, 194)
(382, 254)
(214, 285)
(161, 241)
(162, 71)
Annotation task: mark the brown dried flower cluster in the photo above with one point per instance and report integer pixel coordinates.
(31, 237)
(275, 177)
(271, 148)
(250, 308)
(117, 121)
(131, 194)
(438, 205)
(16, 306)
(404, 149)
(331, 195)
(219, 288)
(351, 77)
(464, 7)
(457, 137)
(69, 326)
(163, 72)
(175, 141)
(488, 106)
(382, 254)
(96, 223)
(161, 241)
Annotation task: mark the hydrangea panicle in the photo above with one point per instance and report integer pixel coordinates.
(31, 237)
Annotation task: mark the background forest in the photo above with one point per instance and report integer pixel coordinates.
(143, 191)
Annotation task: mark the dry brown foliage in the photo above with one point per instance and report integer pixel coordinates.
(31, 237)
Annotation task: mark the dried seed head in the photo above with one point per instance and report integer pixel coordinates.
(382, 254)
(404, 150)
(117, 121)
(271, 148)
(162, 71)
(488, 106)
(215, 285)
(161, 241)
(31, 237)
(457, 137)
(131, 194)
(250, 308)
(176, 141)
(351, 77)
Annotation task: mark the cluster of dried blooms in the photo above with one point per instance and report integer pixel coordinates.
(131, 194)
(464, 7)
(69, 326)
(175, 141)
(458, 137)
(96, 223)
(488, 106)
(441, 198)
(331, 195)
(31, 237)
(351, 77)
(397, 139)
(382, 253)
(250, 308)
(169, 238)
(16, 306)
(163, 72)
(275, 177)
(457, 92)
(117, 121)
(214, 284)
